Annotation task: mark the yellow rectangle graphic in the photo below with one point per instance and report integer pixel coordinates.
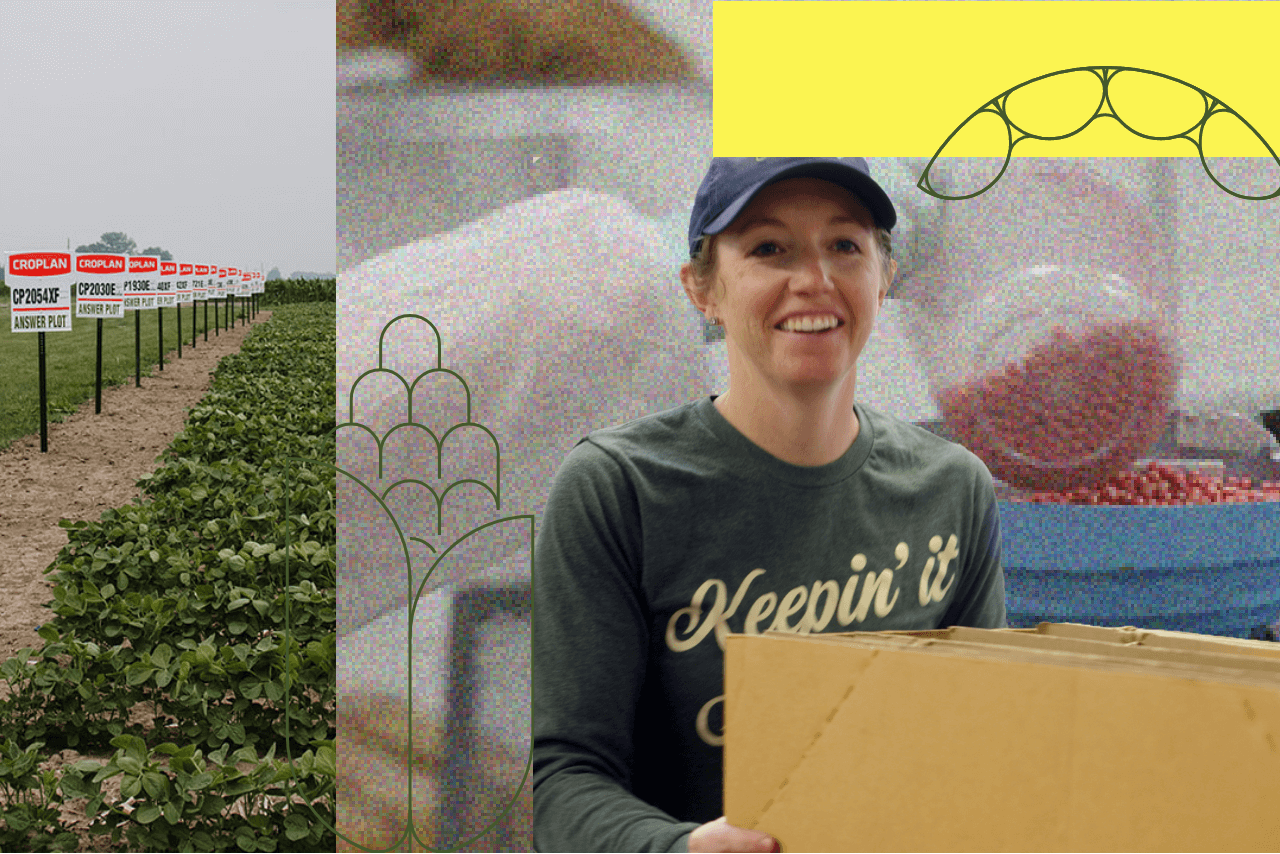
(887, 78)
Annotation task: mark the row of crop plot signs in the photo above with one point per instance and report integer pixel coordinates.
(42, 284)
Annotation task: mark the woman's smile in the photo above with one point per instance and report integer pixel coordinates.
(809, 324)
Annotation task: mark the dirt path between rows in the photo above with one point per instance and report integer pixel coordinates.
(92, 465)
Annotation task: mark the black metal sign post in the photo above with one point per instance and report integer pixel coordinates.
(193, 323)
(231, 311)
(216, 324)
(44, 420)
(40, 281)
(137, 344)
(160, 322)
(97, 384)
(206, 321)
(178, 310)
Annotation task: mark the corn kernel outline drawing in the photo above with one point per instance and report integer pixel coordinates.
(495, 491)
(439, 555)
(1105, 73)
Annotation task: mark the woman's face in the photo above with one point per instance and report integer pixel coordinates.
(798, 284)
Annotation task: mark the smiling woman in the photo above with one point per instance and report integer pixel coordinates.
(808, 280)
(783, 505)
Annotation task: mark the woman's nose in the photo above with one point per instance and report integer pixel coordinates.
(812, 272)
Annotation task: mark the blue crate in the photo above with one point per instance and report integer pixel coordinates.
(1207, 569)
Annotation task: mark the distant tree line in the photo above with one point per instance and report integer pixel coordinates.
(119, 243)
(275, 274)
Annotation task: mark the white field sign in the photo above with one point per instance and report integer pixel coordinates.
(246, 284)
(40, 291)
(200, 283)
(98, 285)
(233, 281)
(220, 284)
(184, 284)
(167, 285)
(139, 282)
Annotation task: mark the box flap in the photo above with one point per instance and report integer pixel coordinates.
(1211, 655)
(1163, 638)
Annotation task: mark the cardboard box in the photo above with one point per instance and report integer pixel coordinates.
(1060, 738)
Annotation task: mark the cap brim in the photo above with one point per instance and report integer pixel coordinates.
(858, 183)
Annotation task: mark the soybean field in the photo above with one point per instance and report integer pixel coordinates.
(181, 694)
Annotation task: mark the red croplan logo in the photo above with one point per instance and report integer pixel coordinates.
(99, 263)
(168, 268)
(202, 269)
(144, 264)
(40, 264)
(232, 272)
(222, 272)
(185, 269)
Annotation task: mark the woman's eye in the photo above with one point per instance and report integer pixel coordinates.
(769, 248)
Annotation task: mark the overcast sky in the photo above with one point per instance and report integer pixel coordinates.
(205, 128)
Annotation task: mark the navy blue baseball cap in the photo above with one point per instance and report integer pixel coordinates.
(732, 182)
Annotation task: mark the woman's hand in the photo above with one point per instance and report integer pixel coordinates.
(719, 835)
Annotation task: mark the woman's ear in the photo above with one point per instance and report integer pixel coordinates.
(888, 283)
(702, 300)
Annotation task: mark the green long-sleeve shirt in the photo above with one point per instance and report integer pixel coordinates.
(665, 533)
